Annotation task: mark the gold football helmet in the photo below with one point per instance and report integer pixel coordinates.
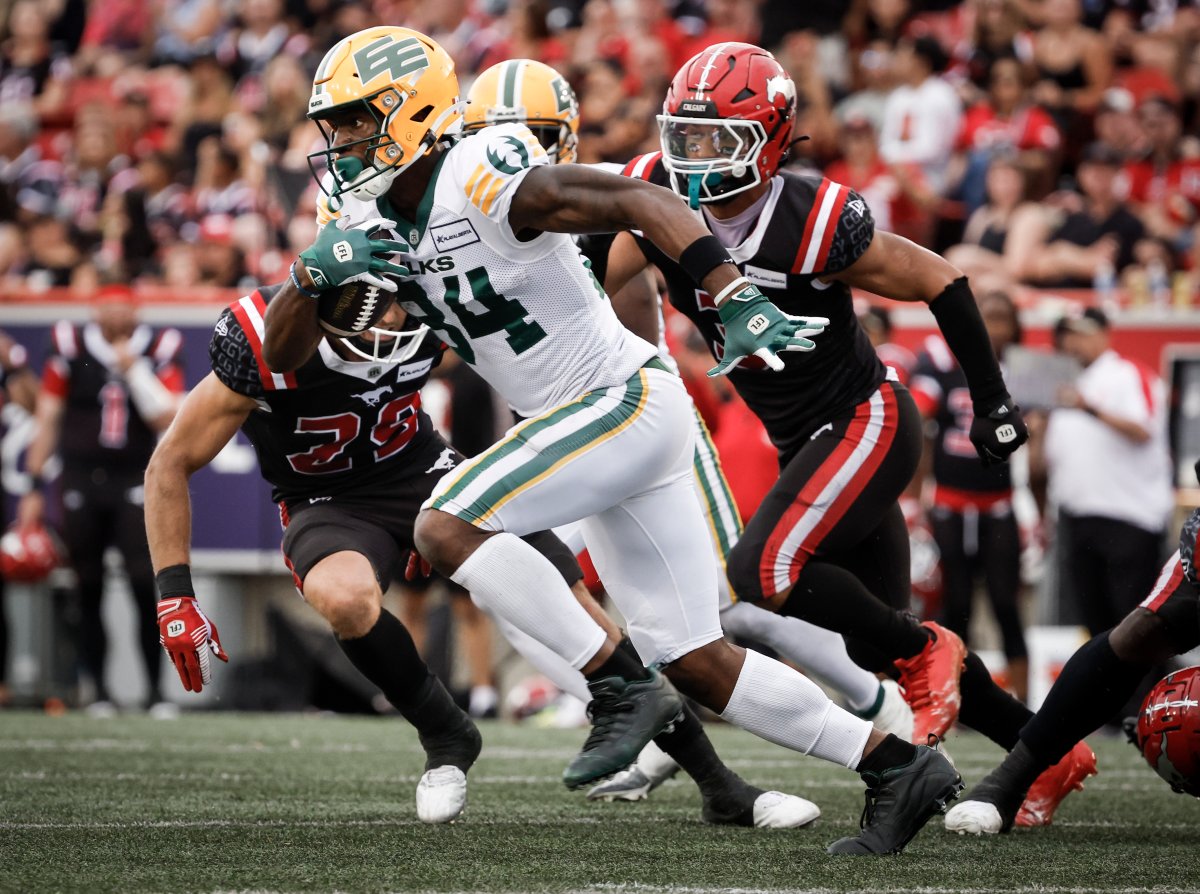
(531, 93)
(406, 82)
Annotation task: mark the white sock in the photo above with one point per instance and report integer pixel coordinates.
(782, 706)
(547, 662)
(510, 579)
(820, 652)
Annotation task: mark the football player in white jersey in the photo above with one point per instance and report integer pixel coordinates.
(525, 91)
(469, 235)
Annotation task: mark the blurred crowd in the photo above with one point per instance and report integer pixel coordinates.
(1043, 142)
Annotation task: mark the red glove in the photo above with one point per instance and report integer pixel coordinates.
(188, 636)
(416, 568)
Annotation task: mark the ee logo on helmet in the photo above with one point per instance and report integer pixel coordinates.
(398, 58)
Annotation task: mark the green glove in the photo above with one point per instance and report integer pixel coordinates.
(340, 256)
(753, 325)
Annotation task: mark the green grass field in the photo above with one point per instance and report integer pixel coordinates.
(291, 803)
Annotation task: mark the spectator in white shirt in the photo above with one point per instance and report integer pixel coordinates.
(921, 116)
(1109, 473)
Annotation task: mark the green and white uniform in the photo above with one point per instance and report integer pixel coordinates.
(609, 438)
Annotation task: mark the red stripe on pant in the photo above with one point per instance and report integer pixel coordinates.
(1169, 580)
(811, 492)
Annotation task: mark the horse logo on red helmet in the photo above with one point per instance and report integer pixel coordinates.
(727, 122)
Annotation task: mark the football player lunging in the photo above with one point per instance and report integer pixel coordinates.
(608, 436)
(1093, 685)
(828, 544)
(350, 456)
(525, 91)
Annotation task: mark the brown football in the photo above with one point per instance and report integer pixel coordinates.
(353, 308)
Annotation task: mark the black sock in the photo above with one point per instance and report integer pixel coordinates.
(831, 597)
(689, 746)
(387, 657)
(987, 708)
(891, 752)
(1016, 774)
(1090, 689)
(623, 662)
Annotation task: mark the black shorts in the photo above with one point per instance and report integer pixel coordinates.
(833, 495)
(1176, 595)
(378, 524)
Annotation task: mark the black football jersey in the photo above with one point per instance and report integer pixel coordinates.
(809, 226)
(333, 425)
(101, 427)
(940, 388)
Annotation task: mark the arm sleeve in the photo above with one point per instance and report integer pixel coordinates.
(232, 357)
(852, 234)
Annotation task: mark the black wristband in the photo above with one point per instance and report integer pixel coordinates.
(702, 257)
(37, 482)
(958, 317)
(174, 581)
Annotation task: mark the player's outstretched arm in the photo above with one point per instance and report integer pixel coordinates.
(208, 418)
(575, 199)
(894, 267)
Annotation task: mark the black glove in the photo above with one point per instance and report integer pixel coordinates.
(998, 434)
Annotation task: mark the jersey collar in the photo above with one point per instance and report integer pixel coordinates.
(750, 245)
(99, 347)
(410, 231)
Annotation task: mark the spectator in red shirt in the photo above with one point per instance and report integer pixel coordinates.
(1164, 185)
(895, 194)
(1006, 121)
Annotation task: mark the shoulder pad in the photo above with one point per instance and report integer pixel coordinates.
(648, 167)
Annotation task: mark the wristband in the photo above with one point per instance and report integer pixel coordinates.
(174, 581)
(37, 482)
(296, 282)
(734, 290)
(702, 257)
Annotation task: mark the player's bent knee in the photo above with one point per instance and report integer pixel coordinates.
(444, 540)
(1142, 638)
(742, 570)
(344, 591)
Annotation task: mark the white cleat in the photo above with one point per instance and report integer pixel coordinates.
(775, 810)
(895, 716)
(652, 768)
(974, 818)
(441, 795)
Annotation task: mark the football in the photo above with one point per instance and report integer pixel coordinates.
(1168, 730)
(353, 308)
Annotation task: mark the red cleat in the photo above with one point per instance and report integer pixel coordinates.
(1049, 789)
(930, 683)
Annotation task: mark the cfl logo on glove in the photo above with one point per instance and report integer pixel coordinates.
(1006, 433)
(176, 628)
(758, 324)
(343, 251)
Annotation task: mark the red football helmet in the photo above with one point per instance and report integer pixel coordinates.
(1168, 730)
(727, 121)
(27, 553)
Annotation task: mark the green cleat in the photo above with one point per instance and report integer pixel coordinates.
(625, 716)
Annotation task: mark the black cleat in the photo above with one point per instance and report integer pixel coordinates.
(458, 746)
(900, 801)
(625, 716)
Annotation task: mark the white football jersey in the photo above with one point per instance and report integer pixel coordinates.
(529, 316)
